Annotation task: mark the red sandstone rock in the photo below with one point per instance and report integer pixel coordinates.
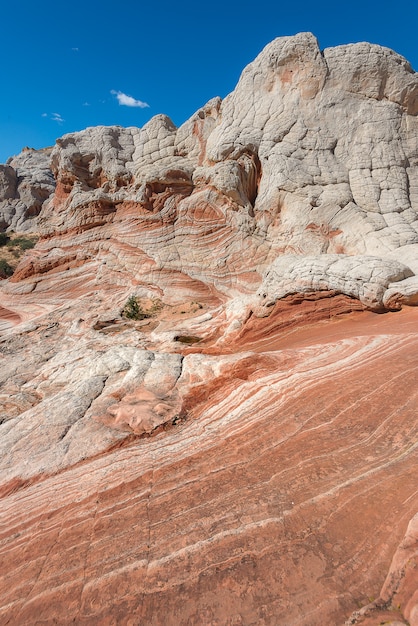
(247, 453)
(279, 497)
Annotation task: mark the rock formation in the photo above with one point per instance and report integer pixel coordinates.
(246, 452)
(26, 182)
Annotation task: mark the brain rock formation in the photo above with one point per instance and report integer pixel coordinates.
(244, 452)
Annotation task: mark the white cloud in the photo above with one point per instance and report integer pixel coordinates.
(56, 117)
(75, 49)
(128, 101)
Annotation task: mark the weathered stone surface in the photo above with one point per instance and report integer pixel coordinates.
(245, 453)
(25, 183)
(8, 182)
(280, 494)
(308, 156)
(363, 277)
(399, 590)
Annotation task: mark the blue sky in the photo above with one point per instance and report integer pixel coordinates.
(66, 66)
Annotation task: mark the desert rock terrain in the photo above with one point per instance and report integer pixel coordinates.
(245, 451)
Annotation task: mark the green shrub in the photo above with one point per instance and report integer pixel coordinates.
(4, 239)
(5, 269)
(133, 310)
(22, 242)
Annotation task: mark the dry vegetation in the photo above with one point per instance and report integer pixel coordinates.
(12, 247)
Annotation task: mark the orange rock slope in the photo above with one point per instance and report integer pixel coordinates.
(245, 452)
(280, 497)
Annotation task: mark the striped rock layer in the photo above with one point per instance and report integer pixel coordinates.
(245, 453)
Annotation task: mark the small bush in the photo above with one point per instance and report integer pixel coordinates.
(6, 270)
(156, 307)
(133, 310)
(4, 239)
(22, 242)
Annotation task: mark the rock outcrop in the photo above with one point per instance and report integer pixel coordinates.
(26, 182)
(246, 452)
(308, 156)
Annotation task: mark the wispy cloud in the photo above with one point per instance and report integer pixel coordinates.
(128, 101)
(75, 49)
(56, 117)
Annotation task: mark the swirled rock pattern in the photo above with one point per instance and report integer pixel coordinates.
(246, 452)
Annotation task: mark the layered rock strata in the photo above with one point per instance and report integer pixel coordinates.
(246, 453)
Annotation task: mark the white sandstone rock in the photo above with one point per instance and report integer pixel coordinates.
(363, 277)
(26, 182)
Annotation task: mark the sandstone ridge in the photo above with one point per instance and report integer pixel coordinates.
(246, 452)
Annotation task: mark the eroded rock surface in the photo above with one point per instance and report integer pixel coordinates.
(26, 182)
(246, 453)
